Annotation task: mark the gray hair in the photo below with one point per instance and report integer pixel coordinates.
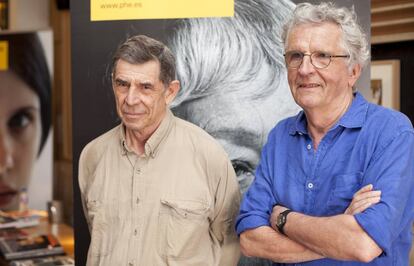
(353, 38)
(243, 53)
(140, 49)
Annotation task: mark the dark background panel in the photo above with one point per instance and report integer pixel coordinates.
(403, 51)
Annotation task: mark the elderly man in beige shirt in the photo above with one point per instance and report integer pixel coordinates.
(156, 190)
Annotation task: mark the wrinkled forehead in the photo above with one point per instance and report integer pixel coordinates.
(327, 34)
(135, 61)
(126, 68)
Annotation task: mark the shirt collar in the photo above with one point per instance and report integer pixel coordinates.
(354, 117)
(356, 114)
(299, 125)
(124, 146)
(153, 143)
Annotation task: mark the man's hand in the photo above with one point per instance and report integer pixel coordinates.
(363, 199)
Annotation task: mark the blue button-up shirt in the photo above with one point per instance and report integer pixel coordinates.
(368, 145)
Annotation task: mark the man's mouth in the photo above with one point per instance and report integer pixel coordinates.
(133, 113)
(308, 85)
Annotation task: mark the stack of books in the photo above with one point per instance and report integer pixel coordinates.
(30, 246)
(49, 261)
(19, 248)
(18, 220)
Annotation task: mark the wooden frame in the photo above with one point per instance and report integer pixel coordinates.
(385, 83)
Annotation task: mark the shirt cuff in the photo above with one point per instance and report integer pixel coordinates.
(251, 222)
(375, 231)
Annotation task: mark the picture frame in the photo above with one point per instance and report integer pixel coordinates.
(385, 83)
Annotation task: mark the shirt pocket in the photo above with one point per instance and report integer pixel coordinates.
(183, 229)
(100, 233)
(345, 186)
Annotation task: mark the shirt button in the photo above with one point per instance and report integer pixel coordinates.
(137, 201)
(310, 185)
(138, 170)
(308, 146)
(135, 232)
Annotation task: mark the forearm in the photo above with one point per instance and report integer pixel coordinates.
(264, 242)
(339, 237)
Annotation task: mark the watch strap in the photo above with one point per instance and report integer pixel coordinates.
(283, 219)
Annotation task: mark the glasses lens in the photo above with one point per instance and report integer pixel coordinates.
(293, 59)
(320, 60)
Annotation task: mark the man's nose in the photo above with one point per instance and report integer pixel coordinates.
(306, 67)
(133, 96)
(6, 158)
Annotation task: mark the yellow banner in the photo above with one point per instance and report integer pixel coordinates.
(4, 55)
(159, 9)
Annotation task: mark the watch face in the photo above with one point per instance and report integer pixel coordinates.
(280, 220)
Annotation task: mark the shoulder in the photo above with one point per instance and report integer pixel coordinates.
(92, 154)
(285, 127)
(279, 137)
(94, 150)
(199, 140)
(387, 122)
(384, 126)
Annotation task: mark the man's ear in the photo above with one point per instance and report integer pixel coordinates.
(354, 74)
(172, 91)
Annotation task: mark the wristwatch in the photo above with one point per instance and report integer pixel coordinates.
(281, 220)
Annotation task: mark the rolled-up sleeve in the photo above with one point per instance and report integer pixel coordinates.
(391, 171)
(258, 201)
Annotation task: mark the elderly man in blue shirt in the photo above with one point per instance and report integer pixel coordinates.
(335, 183)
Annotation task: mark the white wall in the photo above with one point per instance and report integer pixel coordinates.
(41, 182)
(29, 14)
(46, 38)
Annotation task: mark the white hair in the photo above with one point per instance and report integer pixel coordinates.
(353, 38)
(243, 53)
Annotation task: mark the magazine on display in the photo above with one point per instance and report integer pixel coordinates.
(30, 247)
(12, 233)
(18, 221)
(48, 261)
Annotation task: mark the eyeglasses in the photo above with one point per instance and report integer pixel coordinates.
(319, 60)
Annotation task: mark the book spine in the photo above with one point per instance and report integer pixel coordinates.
(4, 14)
(34, 253)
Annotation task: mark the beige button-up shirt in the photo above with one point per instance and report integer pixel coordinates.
(174, 205)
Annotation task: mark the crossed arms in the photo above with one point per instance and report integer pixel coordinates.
(309, 238)
(366, 229)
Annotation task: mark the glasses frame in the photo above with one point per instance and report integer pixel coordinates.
(310, 57)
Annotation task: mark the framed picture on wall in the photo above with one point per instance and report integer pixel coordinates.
(385, 83)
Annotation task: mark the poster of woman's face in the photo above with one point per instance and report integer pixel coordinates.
(25, 103)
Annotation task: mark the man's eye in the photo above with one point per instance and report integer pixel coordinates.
(147, 86)
(296, 56)
(322, 55)
(241, 167)
(121, 83)
(20, 120)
